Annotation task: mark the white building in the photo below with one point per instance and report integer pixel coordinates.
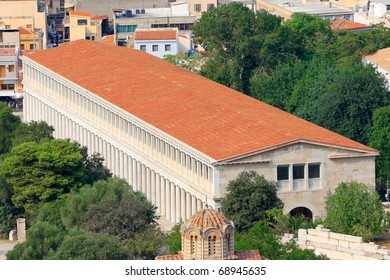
(381, 61)
(179, 137)
(157, 42)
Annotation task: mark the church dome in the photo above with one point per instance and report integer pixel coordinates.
(208, 218)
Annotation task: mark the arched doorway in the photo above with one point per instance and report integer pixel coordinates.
(302, 211)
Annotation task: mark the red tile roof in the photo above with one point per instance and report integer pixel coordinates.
(214, 119)
(207, 218)
(23, 30)
(343, 24)
(381, 57)
(177, 257)
(82, 14)
(248, 254)
(158, 34)
(99, 17)
(109, 40)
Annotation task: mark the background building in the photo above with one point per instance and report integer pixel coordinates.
(25, 13)
(179, 137)
(157, 42)
(9, 62)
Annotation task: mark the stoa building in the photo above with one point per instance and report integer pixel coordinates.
(179, 137)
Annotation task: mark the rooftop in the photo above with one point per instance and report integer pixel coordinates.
(207, 218)
(344, 24)
(312, 7)
(82, 14)
(155, 34)
(215, 120)
(381, 57)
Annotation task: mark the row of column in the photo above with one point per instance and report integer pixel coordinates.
(172, 201)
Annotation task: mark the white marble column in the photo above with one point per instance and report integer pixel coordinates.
(183, 204)
(188, 205)
(193, 204)
(167, 198)
(159, 191)
(153, 186)
(173, 202)
(178, 204)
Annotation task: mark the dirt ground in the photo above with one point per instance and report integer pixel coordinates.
(383, 240)
(5, 246)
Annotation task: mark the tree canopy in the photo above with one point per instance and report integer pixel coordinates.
(8, 123)
(248, 198)
(356, 209)
(40, 173)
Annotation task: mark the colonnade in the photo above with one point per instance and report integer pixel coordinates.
(172, 201)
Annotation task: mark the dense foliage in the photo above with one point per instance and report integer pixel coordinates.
(105, 221)
(8, 124)
(356, 209)
(248, 198)
(380, 139)
(261, 237)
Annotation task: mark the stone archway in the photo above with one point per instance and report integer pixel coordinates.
(302, 211)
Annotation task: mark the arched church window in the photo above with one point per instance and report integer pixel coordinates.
(211, 245)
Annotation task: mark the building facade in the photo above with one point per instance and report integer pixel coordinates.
(179, 137)
(381, 61)
(9, 62)
(157, 42)
(25, 13)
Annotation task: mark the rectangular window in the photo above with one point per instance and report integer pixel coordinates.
(2, 71)
(298, 171)
(198, 7)
(314, 170)
(29, 27)
(22, 47)
(142, 48)
(210, 6)
(82, 22)
(167, 48)
(282, 172)
(11, 68)
(8, 27)
(126, 28)
(31, 46)
(155, 48)
(3, 87)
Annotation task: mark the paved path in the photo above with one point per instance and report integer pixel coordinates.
(5, 246)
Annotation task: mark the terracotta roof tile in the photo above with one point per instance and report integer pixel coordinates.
(170, 257)
(248, 254)
(23, 30)
(109, 40)
(214, 119)
(158, 34)
(207, 218)
(83, 14)
(99, 17)
(343, 24)
(381, 57)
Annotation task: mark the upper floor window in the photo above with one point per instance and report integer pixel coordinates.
(282, 171)
(126, 28)
(314, 170)
(198, 7)
(298, 171)
(210, 6)
(82, 22)
(168, 48)
(155, 48)
(142, 48)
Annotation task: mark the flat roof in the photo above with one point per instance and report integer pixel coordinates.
(213, 119)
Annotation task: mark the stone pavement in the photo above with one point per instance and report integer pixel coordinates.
(5, 246)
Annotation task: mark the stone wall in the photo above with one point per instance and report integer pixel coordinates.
(338, 246)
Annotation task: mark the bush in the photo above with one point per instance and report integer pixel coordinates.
(356, 209)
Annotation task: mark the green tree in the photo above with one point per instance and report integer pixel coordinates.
(79, 245)
(94, 163)
(8, 123)
(248, 198)
(380, 139)
(42, 241)
(32, 132)
(40, 173)
(261, 237)
(174, 239)
(356, 209)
